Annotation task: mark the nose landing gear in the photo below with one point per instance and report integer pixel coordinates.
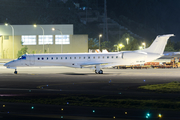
(15, 72)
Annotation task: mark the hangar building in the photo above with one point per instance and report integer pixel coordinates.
(61, 40)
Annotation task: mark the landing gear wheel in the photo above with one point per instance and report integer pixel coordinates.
(15, 72)
(100, 72)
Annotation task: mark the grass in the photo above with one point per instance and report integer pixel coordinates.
(102, 101)
(172, 87)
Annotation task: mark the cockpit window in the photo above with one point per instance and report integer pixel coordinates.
(22, 57)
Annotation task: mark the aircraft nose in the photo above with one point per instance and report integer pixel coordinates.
(8, 64)
(5, 64)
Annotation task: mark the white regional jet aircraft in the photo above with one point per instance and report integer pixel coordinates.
(95, 60)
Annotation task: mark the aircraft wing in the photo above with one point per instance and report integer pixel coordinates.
(101, 63)
(109, 65)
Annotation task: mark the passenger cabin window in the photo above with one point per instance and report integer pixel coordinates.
(103, 57)
(112, 56)
(42, 58)
(107, 57)
(70, 57)
(61, 57)
(79, 57)
(74, 57)
(38, 58)
(88, 57)
(94, 57)
(47, 58)
(98, 57)
(65, 57)
(84, 57)
(116, 56)
(52, 58)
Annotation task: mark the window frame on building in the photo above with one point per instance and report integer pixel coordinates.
(64, 41)
(28, 39)
(48, 39)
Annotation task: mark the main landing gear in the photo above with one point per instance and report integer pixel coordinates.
(15, 72)
(99, 72)
(98, 69)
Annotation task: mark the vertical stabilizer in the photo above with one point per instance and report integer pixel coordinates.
(159, 44)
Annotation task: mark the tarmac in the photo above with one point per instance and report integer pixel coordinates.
(54, 81)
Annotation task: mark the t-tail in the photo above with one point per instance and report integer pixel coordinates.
(158, 45)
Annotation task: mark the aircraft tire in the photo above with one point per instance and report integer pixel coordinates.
(100, 72)
(15, 72)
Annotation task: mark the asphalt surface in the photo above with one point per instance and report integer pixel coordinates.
(52, 81)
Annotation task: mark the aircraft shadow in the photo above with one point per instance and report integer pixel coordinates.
(83, 74)
(73, 73)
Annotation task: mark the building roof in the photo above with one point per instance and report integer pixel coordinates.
(66, 29)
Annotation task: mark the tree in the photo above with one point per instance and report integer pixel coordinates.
(177, 46)
(170, 46)
(169, 49)
(106, 45)
(131, 44)
(93, 43)
(22, 51)
(124, 38)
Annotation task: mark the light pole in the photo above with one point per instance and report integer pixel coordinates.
(99, 40)
(127, 39)
(144, 44)
(6, 24)
(61, 37)
(43, 34)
